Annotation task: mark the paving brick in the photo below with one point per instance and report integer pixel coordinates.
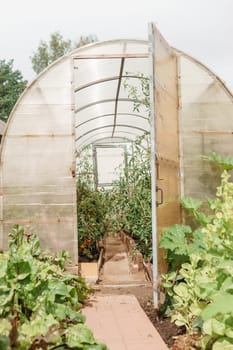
(120, 322)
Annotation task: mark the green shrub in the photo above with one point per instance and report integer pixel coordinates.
(39, 302)
(200, 281)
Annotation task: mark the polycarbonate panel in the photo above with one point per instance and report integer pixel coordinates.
(166, 131)
(94, 111)
(52, 121)
(100, 92)
(134, 120)
(92, 126)
(97, 92)
(38, 154)
(128, 106)
(135, 66)
(108, 129)
(206, 125)
(128, 128)
(103, 134)
(91, 70)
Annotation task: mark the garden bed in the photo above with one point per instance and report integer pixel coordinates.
(90, 270)
(137, 263)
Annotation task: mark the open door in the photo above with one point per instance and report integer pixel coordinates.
(165, 142)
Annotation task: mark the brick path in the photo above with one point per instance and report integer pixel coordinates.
(120, 322)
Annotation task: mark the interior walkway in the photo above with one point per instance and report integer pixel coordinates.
(118, 320)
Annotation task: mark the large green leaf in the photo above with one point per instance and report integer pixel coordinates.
(223, 344)
(38, 326)
(58, 288)
(225, 163)
(214, 327)
(78, 335)
(174, 239)
(223, 304)
(190, 203)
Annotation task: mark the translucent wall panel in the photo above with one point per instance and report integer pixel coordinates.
(166, 131)
(93, 70)
(37, 158)
(206, 125)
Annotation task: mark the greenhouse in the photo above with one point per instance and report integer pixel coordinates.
(89, 97)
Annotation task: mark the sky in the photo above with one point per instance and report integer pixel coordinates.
(201, 28)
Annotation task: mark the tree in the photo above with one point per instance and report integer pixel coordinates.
(46, 53)
(11, 86)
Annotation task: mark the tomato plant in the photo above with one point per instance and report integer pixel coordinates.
(131, 196)
(128, 203)
(91, 208)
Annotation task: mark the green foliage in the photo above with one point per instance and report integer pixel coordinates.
(200, 287)
(128, 204)
(39, 302)
(129, 201)
(92, 208)
(226, 163)
(131, 196)
(139, 92)
(11, 87)
(47, 53)
(92, 223)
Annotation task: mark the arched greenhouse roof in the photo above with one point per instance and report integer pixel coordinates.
(82, 99)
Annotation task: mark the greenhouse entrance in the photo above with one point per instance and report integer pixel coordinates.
(116, 98)
(113, 143)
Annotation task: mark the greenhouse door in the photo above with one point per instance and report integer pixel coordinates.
(165, 143)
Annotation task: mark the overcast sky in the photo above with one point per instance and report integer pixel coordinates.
(201, 28)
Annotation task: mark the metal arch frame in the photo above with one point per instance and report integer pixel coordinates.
(122, 132)
(110, 126)
(116, 139)
(117, 94)
(111, 115)
(100, 81)
(105, 101)
(108, 56)
(116, 100)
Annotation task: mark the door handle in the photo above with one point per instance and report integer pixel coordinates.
(159, 190)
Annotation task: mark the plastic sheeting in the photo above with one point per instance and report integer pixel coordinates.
(37, 156)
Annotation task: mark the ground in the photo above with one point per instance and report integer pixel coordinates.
(116, 277)
(166, 329)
